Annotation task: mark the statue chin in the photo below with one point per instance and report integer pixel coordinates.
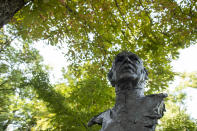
(127, 76)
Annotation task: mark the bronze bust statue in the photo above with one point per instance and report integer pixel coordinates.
(133, 111)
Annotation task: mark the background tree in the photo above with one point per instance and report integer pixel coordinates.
(190, 79)
(93, 32)
(176, 117)
(96, 30)
(16, 63)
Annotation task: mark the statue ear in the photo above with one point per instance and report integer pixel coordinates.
(146, 74)
(111, 77)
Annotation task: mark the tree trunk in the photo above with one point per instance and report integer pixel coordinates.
(8, 8)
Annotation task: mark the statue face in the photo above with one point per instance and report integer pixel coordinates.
(128, 66)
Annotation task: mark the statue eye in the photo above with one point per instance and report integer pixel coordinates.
(134, 58)
(119, 59)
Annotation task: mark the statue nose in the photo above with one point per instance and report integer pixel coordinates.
(127, 59)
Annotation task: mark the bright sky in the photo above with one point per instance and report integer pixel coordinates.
(54, 58)
(186, 62)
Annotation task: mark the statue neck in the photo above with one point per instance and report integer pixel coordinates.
(130, 88)
(127, 94)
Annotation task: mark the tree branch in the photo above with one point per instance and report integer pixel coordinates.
(147, 12)
(127, 25)
(3, 83)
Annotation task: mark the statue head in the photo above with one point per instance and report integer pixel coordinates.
(127, 67)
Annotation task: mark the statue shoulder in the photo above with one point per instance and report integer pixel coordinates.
(160, 95)
(156, 104)
(101, 118)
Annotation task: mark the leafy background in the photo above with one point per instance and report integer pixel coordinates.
(90, 33)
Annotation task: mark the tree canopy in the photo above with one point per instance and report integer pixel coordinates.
(93, 32)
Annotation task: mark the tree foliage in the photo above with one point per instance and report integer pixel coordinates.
(189, 79)
(96, 30)
(176, 119)
(93, 32)
(176, 116)
(39, 105)
(16, 64)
